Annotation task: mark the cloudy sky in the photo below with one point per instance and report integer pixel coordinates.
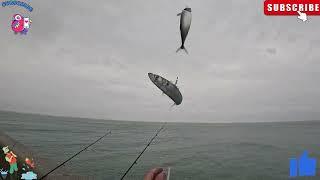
(91, 59)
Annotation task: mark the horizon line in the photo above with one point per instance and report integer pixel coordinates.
(141, 121)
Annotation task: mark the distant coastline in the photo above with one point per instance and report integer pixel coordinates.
(125, 121)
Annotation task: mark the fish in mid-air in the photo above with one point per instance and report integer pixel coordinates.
(185, 23)
(167, 87)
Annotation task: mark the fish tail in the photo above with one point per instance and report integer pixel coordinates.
(182, 47)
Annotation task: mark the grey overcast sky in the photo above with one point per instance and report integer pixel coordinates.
(91, 59)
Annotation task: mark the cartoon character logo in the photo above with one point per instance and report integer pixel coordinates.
(30, 163)
(20, 24)
(11, 158)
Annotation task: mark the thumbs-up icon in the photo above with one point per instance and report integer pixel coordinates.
(304, 165)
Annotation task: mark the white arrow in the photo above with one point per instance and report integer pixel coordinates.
(302, 16)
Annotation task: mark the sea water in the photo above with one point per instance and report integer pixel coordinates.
(235, 151)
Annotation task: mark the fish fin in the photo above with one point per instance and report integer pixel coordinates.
(179, 14)
(182, 47)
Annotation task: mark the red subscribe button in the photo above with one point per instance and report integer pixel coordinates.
(291, 7)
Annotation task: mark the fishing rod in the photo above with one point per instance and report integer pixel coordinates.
(145, 148)
(109, 132)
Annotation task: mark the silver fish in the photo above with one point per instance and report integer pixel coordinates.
(185, 23)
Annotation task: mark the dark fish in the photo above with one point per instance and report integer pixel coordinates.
(167, 87)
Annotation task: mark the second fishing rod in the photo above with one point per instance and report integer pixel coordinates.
(145, 148)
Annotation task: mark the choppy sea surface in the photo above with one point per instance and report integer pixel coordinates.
(242, 151)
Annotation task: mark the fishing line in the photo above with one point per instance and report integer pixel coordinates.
(145, 148)
(109, 132)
